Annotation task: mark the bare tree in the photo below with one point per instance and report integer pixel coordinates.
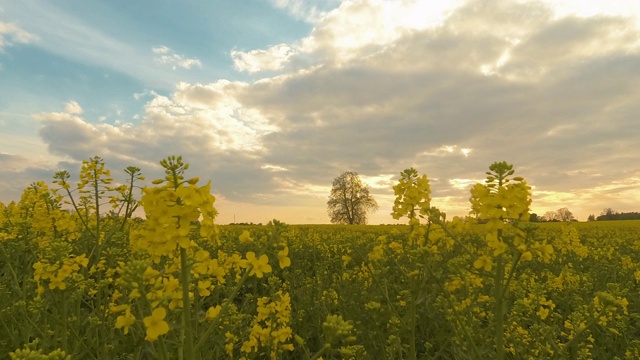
(563, 214)
(550, 216)
(350, 200)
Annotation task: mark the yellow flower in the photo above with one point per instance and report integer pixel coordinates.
(245, 237)
(395, 246)
(204, 287)
(258, 266)
(543, 313)
(119, 308)
(483, 262)
(213, 312)
(155, 324)
(282, 334)
(283, 257)
(150, 275)
(57, 282)
(376, 253)
(125, 321)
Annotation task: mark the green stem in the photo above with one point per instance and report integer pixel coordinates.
(225, 305)
(14, 275)
(450, 234)
(499, 310)
(128, 201)
(65, 344)
(511, 274)
(458, 317)
(412, 323)
(163, 350)
(321, 351)
(96, 189)
(187, 338)
(75, 207)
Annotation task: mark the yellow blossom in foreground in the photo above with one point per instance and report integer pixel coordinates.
(245, 237)
(376, 253)
(213, 312)
(543, 313)
(484, 262)
(258, 266)
(155, 324)
(125, 321)
(283, 257)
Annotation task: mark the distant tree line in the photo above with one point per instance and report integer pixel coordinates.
(562, 214)
(610, 214)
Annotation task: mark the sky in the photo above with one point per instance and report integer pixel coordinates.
(273, 99)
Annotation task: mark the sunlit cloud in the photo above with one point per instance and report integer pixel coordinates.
(303, 9)
(273, 167)
(166, 56)
(447, 150)
(271, 59)
(291, 186)
(385, 181)
(73, 107)
(11, 34)
(462, 184)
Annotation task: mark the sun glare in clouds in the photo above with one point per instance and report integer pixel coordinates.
(587, 8)
(384, 181)
(447, 150)
(273, 167)
(463, 184)
(358, 25)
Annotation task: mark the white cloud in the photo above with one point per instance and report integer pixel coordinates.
(355, 29)
(361, 28)
(446, 150)
(73, 107)
(166, 56)
(11, 33)
(303, 9)
(207, 118)
(271, 59)
(464, 184)
(384, 181)
(272, 167)
(594, 8)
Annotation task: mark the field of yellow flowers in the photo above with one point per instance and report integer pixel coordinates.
(81, 278)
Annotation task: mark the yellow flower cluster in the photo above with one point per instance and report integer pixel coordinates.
(170, 212)
(569, 242)
(508, 202)
(257, 266)
(412, 193)
(40, 209)
(58, 272)
(270, 328)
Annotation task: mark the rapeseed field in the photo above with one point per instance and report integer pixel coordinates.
(82, 278)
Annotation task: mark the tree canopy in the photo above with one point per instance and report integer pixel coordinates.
(350, 200)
